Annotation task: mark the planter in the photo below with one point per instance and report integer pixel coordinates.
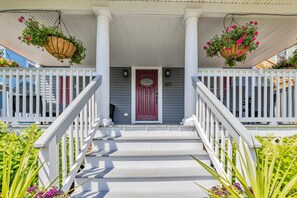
(233, 52)
(59, 48)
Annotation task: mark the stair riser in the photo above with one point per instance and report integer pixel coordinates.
(153, 185)
(144, 162)
(147, 145)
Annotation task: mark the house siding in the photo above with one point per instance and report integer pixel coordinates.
(173, 95)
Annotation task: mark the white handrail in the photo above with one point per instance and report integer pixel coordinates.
(61, 124)
(72, 133)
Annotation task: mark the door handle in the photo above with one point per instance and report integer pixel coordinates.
(156, 97)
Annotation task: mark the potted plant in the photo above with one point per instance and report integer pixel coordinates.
(290, 63)
(53, 40)
(234, 43)
(8, 63)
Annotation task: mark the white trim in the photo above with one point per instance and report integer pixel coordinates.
(28, 62)
(160, 95)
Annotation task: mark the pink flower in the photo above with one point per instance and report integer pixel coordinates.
(21, 19)
(234, 26)
(28, 38)
(256, 33)
(251, 22)
(244, 36)
(239, 52)
(228, 48)
(239, 41)
(256, 23)
(208, 43)
(243, 27)
(246, 47)
(257, 43)
(227, 29)
(253, 39)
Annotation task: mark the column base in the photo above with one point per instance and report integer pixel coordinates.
(188, 121)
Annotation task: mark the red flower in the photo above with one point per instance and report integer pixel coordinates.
(227, 29)
(246, 47)
(239, 41)
(256, 33)
(257, 43)
(234, 26)
(253, 39)
(243, 27)
(205, 47)
(228, 48)
(251, 22)
(244, 36)
(256, 23)
(239, 52)
(208, 43)
(28, 38)
(21, 19)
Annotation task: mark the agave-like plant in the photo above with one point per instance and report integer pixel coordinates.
(260, 179)
(23, 177)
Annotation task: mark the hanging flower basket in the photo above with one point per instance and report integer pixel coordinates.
(53, 40)
(234, 43)
(233, 52)
(59, 48)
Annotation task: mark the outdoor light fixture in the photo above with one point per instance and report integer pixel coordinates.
(167, 73)
(125, 73)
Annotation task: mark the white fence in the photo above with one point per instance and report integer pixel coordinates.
(255, 95)
(71, 134)
(41, 94)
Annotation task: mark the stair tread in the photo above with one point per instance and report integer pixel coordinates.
(148, 138)
(143, 173)
(135, 153)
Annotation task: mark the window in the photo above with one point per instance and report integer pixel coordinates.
(30, 64)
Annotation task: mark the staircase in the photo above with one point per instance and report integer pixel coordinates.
(144, 162)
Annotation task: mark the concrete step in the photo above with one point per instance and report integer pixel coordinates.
(136, 159)
(147, 145)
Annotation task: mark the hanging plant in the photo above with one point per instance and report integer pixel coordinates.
(234, 43)
(53, 40)
(8, 63)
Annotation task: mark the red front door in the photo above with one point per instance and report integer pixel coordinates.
(146, 95)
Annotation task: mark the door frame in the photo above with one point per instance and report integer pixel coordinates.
(133, 95)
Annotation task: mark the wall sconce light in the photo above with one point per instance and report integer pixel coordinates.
(167, 73)
(125, 73)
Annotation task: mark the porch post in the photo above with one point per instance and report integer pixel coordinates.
(191, 61)
(102, 61)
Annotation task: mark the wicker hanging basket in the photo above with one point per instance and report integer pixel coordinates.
(59, 48)
(233, 52)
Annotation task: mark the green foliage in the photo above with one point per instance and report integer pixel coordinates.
(36, 34)
(242, 36)
(14, 184)
(8, 63)
(17, 142)
(272, 176)
(290, 63)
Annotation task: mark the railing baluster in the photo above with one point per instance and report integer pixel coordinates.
(228, 90)
(240, 96)
(17, 94)
(215, 83)
(272, 102)
(284, 98)
(37, 82)
(57, 93)
(31, 94)
(290, 106)
(24, 94)
(259, 96)
(10, 94)
(221, 87)
(246, 95)
(44, 95)
(278, 96)
(51, 94)
(253, 96)
(265, 97)
(234, 94)
(4, 97)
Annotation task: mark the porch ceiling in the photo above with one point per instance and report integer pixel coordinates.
(149, 40)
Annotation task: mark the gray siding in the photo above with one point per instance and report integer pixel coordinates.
(173, 96)
(120, 95)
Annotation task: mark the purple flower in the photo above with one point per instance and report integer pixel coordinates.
(32, 189)
(237, 186)
(53, 192)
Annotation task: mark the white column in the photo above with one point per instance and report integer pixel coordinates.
(102, 61)
(191, 61)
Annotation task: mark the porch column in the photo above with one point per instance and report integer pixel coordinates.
(191, 61)
(102, 61)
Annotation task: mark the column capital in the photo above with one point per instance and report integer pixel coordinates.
(102, 11)
(192, 13)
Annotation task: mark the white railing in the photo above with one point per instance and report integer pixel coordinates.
(219, 129)
(68, 138)
(254, 95)
(39, 94)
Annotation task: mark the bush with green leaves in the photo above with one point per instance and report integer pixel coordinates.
(18, 142)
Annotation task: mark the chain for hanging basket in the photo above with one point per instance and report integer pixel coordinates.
(57, 46)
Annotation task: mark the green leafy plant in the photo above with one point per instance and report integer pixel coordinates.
(234, 43)
(8, 63)
(36, 34)
(264, 179)
(290, 63)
